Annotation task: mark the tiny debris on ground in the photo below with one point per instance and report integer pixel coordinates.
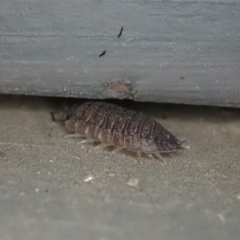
(132, 182)
(88, 179)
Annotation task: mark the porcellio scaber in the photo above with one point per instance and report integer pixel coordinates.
(113, 125)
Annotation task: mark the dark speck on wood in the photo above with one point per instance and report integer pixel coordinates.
(103, 53)
(120, 33)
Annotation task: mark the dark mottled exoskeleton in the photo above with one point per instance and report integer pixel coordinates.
(112, 125)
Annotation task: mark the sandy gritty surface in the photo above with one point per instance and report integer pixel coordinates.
(52, 188)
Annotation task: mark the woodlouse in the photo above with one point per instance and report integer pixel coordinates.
(112, 125)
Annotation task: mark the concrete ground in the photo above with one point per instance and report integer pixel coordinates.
(52, 188)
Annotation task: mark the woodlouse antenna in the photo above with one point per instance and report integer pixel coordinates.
(59, 119)
(53, 116)
(184, 147)
(54, 119)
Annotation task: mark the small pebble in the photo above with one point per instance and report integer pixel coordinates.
(21, 194)
(132, 182)
(88, 179)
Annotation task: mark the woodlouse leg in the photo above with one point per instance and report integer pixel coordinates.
(53, 122)
(157, 155)
(102, 145)
(74, 135)
(87, 141)
(50, 131)
(150, 155)
(139, 157)
(118, 149)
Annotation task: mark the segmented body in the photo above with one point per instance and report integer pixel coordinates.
(117, 126)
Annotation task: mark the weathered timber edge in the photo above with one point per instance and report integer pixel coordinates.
(169, 51)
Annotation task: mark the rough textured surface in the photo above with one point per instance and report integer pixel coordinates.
(52, 188)
(181, 51)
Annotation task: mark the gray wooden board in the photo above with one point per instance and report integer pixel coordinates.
(170, 51)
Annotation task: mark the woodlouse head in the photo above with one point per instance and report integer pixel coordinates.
(167, 142)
